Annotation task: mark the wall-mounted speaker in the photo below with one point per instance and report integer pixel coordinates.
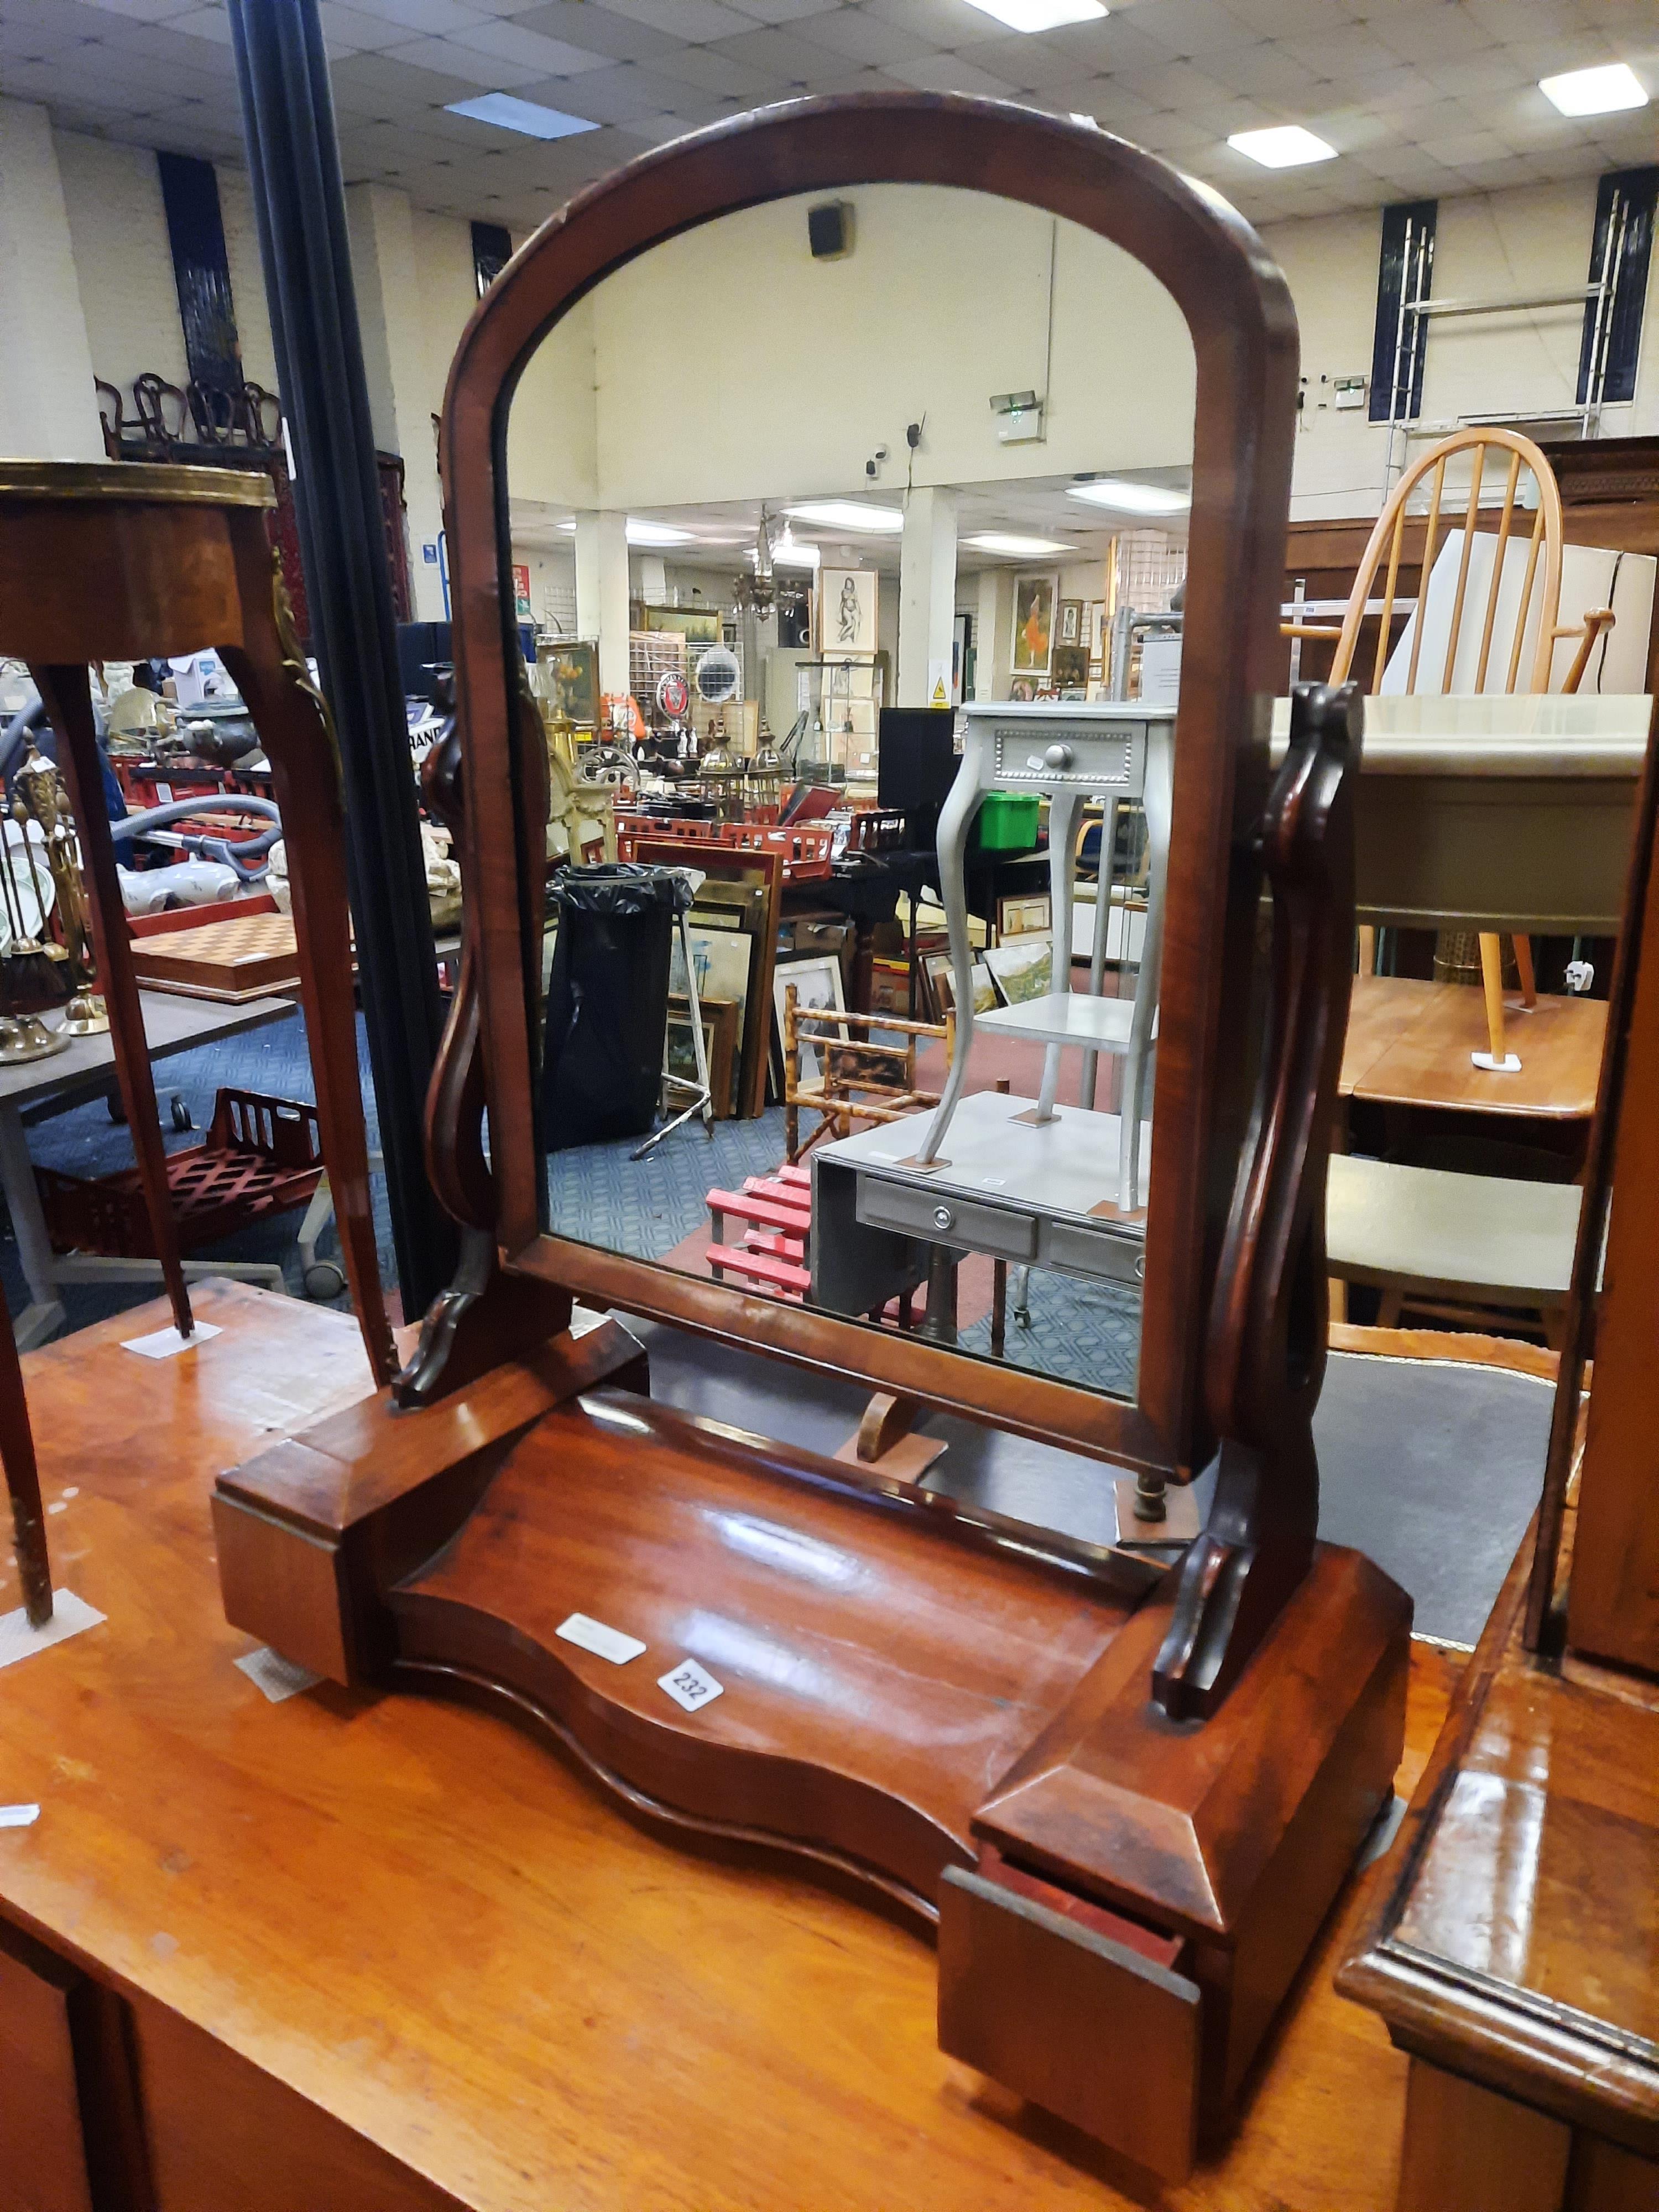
(829, 230)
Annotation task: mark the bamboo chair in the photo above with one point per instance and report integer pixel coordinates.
(860, 1080)
(1541, 587)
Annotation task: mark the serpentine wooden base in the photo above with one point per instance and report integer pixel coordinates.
(947, 1710)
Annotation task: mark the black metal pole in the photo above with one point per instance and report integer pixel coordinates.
(299, 198)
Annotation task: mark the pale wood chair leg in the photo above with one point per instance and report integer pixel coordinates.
(1491, 978)
(1387, 1309)
(1524, 969)
(67, 697)
(1368, 948)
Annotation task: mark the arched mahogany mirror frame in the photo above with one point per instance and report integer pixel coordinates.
(1243, 331)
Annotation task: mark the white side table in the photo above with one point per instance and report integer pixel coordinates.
(1121, 751)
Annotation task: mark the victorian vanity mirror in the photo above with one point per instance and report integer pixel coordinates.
(1124, 1784)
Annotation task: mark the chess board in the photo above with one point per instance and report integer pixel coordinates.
(251, 957)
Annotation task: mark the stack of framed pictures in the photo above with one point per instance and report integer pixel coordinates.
(733, 931)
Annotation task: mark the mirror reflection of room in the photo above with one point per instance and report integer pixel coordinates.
(857, 652)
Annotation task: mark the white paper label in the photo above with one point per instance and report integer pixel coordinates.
(70, 1615)
(690, 1685)
(19, 1816)
(603, 1643)
(167, 1343)
(276, 1678)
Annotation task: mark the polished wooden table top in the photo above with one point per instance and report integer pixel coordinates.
(415, 1918)
(1409, 1044)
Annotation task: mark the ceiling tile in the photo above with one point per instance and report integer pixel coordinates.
(692, 20)
(600, 30)
(1289, 19)
(449, 57)
(1267, 72)
(433, 16)
(1177, 84)
(1185, 28)
(402, 81)
(712, 69)
(852, 35)
(781, 55)
(356, 28)
(1432, 34)
(784, 11)
(516, 42)
(1465, 149)
(1114, 45)
(1031, 64)
(940, 22)
(143, 11)
(1113, 105)
(950, 73)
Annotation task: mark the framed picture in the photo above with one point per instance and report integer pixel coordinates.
(721, 1020)
(1070, 628)
(1070, 670)
(1022, 971)
(1023, 689)
(750, 886)
(847, 612)
(817, 989)
(1034, 622)
(696, 625)
(1028, 915)
(941, 989)
(521, 606)
(572, 682)
(1097, 625)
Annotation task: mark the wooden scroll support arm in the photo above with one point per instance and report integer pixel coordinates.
(476, 1322)
(67, 697)
(297, 731)
(1266, 1356)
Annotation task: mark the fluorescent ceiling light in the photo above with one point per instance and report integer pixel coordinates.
(528, 115)
(1594, 91)
(848, 514)
(1130, 498)
(649, 533)
(788, 553)
(1287, 146)
(1041, 15)
(1018, 549)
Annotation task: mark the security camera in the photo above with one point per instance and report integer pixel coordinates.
(872, 466)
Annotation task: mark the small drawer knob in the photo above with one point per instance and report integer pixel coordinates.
(1058, 756)
(943, 1217)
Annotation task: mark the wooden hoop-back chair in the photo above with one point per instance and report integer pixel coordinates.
(1541, 587)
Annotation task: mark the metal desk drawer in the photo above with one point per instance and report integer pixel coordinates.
(1092, 1252)
(918, 1212)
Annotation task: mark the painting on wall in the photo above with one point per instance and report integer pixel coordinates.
(1069, 671)
(1071, 622)
(1034, 621)
(696, 625)
(573, 681)
(847, 612)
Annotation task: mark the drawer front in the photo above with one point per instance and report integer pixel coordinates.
(918, 1212)
(1083, 2026)
(43, 2162)
(1076, 758)
(1092, 1252)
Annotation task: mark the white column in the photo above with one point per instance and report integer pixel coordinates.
(993, 626)
(389, 309)
(48, 408)
(602, 591)
(927, 595)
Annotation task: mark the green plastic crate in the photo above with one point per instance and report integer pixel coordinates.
(1006, 822)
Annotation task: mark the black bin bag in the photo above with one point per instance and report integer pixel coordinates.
(607, 1001)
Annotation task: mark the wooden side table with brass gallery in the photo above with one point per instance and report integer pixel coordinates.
(129, 561)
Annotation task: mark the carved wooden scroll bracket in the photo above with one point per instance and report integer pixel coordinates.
(1266, 1355)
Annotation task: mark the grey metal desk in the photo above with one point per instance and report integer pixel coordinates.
(81, 1069)
(1038, 1194)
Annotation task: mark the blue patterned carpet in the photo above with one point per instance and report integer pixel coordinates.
(85, 1141)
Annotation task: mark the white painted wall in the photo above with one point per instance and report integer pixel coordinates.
(48, 409)
(729, 364)
(1488, 246)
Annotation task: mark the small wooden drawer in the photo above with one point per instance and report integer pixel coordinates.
(1088, 2015)
(42, 2151)
(942, 1219)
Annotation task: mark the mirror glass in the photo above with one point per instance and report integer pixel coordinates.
(821, 514)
